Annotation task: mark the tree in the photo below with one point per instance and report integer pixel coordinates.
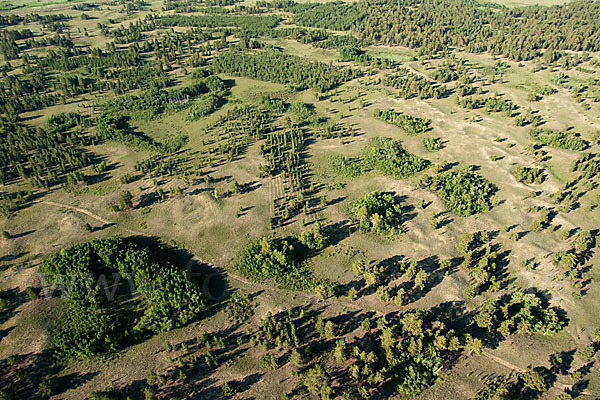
(340, 351)
(227, 389)
(534, 380)
(317, 380)
(473, 345)
(330, 330)
(267, 361)
(421, 279)
(366, 325)
(124, 202)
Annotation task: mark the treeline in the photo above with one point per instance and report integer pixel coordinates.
(14, 19)
(412, 85)
(247, 22)
(283, 68)
(519, 33)
(154, 101)
(45, 155)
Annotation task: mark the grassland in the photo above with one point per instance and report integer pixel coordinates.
(214, 230)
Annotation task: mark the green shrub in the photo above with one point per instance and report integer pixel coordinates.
(378, 213)
(559, 139)
(410, 124)
(465, 193)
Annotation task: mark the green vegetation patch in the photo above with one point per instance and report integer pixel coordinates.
(529, 174)
(390, 158)
(521, 313)
(384, 155)
(377, 213)
(559, 139)
(464, 192)
(116, 291)
(410, 124)
(283, 260)
(283, 68)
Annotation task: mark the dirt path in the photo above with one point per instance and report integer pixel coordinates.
(89, 214)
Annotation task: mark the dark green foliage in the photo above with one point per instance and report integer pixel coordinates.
(489, 104)
(124, 202)
(497, 388)
(413, 85)
(465, 193)
(534, 380)
(377, 213)
(249, 22)
(44, 155)
(523, 313)
(315, 238)
(480, 258)
(114, 126)
(409, 354)
(384, 155)
(336, 16)
(410, 124)
(529, 175)
(274, 105)
(587, 166)
(89, 325)
(542, 221)
(283, 68)
(277, 331)
(348, 166)
(239, 308)
(467, 24)
(46, 389)
(445, 73)
(361, 57)
(432, 144)
(270, 259)
(32, 293)
(390, 158)
(205, 105)
(154, 101)
(559, 139)
(338, 42)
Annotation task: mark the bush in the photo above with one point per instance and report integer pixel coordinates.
(378, 213)
(270, 259)
(529, 175)
(465, 193)
(32, 293)
(46, 389)
(239, 308)
(559, 139)
(410, 124)
(432, 144)
(390, 158)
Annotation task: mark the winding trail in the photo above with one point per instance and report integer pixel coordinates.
(313, 299)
